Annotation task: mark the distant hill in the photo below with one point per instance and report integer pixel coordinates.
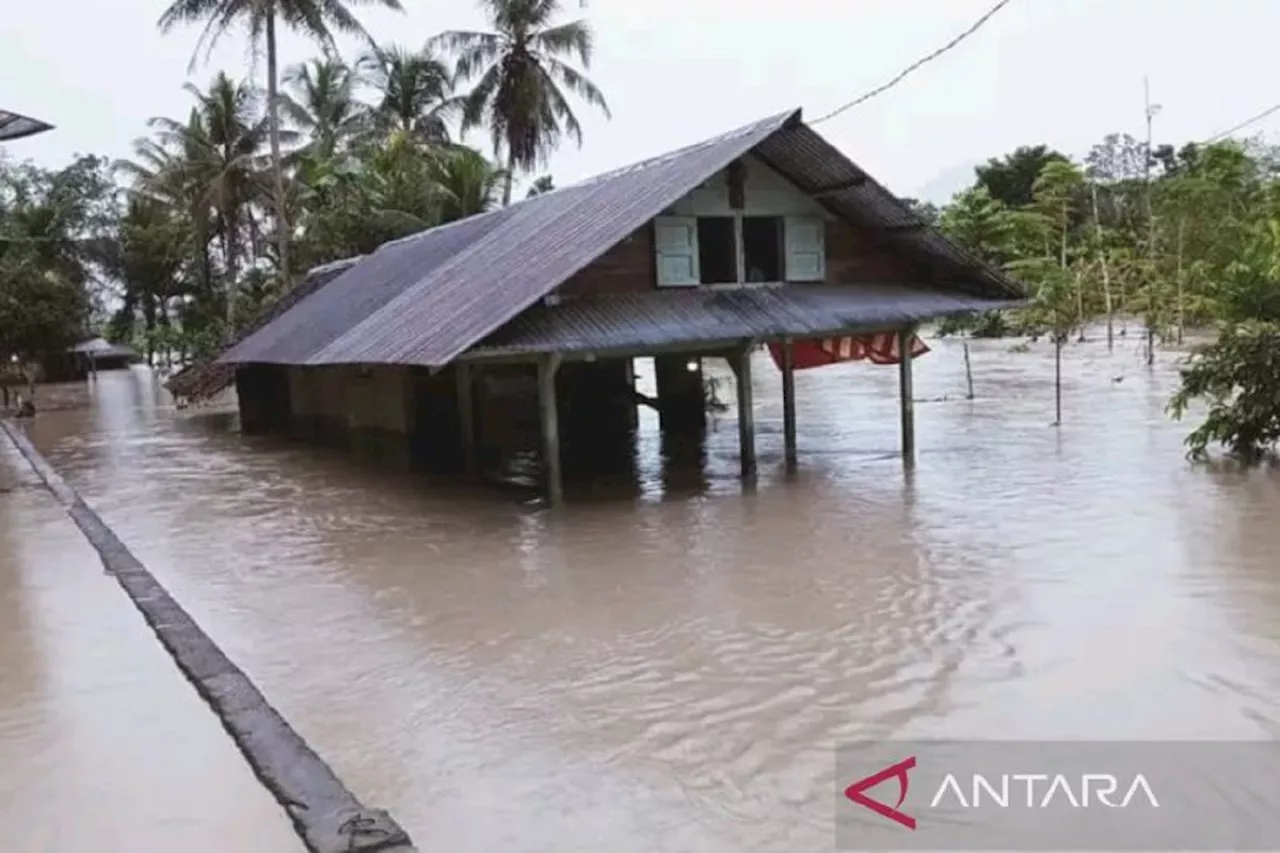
(940, 189)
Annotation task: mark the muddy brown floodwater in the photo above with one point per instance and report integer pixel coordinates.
(667, 668)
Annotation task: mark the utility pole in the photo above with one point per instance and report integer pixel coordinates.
(1150, 111)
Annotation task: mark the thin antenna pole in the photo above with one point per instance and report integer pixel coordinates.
(1149, 111)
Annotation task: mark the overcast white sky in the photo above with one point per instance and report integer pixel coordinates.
(1062, 72)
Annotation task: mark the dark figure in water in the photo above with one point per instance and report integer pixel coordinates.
(26, 409)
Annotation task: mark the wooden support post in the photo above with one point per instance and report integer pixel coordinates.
(548, 365)
(467, 417)
(905, 394)
(789, 405)
(741, 362)
(633, 408)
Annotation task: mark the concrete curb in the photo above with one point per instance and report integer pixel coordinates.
(327, 816)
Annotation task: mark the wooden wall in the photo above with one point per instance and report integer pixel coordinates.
(853, 254)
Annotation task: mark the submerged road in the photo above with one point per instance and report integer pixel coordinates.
(327, 817)
(668, 664)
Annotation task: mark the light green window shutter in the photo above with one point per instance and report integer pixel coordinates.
(676, 241)
(806, 249)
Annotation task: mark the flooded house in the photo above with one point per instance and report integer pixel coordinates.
(86, 358)
(765, 236)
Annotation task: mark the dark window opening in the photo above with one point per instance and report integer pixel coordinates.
(717, 250)
(762, 248)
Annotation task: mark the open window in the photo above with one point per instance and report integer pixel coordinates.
(717, 250)
(762, 249)
(693, 250)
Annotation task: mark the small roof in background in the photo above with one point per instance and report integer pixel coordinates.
(15, 126)
(101, 348)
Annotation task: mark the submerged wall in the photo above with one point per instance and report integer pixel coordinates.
(263, 391)
(408, 418)
(363, 410)
(400, 417)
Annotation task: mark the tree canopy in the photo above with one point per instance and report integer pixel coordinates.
(1179, 237)
(177, 246)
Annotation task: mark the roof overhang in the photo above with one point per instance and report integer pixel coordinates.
(700, 318)
(14, 126)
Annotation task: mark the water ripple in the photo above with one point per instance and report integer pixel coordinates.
(673, 670)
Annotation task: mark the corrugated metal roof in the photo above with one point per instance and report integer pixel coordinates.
(817, 167)
(209, 377)
(14, 126)
(426, 299)
(657, 318)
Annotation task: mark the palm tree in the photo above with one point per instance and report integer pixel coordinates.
(160, 172)
(230, 165)
(469, 181)
(323, 104)
(211, 168)
(415, 91)
(315, 18)
(521, 80)
(223, 162)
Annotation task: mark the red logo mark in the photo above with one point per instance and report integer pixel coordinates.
(855, 792)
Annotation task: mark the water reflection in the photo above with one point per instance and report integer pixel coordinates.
(103, 745)
(22, 671)
(671, 667)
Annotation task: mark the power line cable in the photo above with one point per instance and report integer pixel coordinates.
(1242, 125)
(977, 25)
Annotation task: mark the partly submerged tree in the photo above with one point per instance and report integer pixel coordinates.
(521, 80)
(1238, 374)
(52, 225)
(42, 312)
(1057, 194)
(152, 246)
(1053, 313)
(315, 18)
(985, 227)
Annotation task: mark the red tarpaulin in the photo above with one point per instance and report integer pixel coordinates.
(880, 348)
